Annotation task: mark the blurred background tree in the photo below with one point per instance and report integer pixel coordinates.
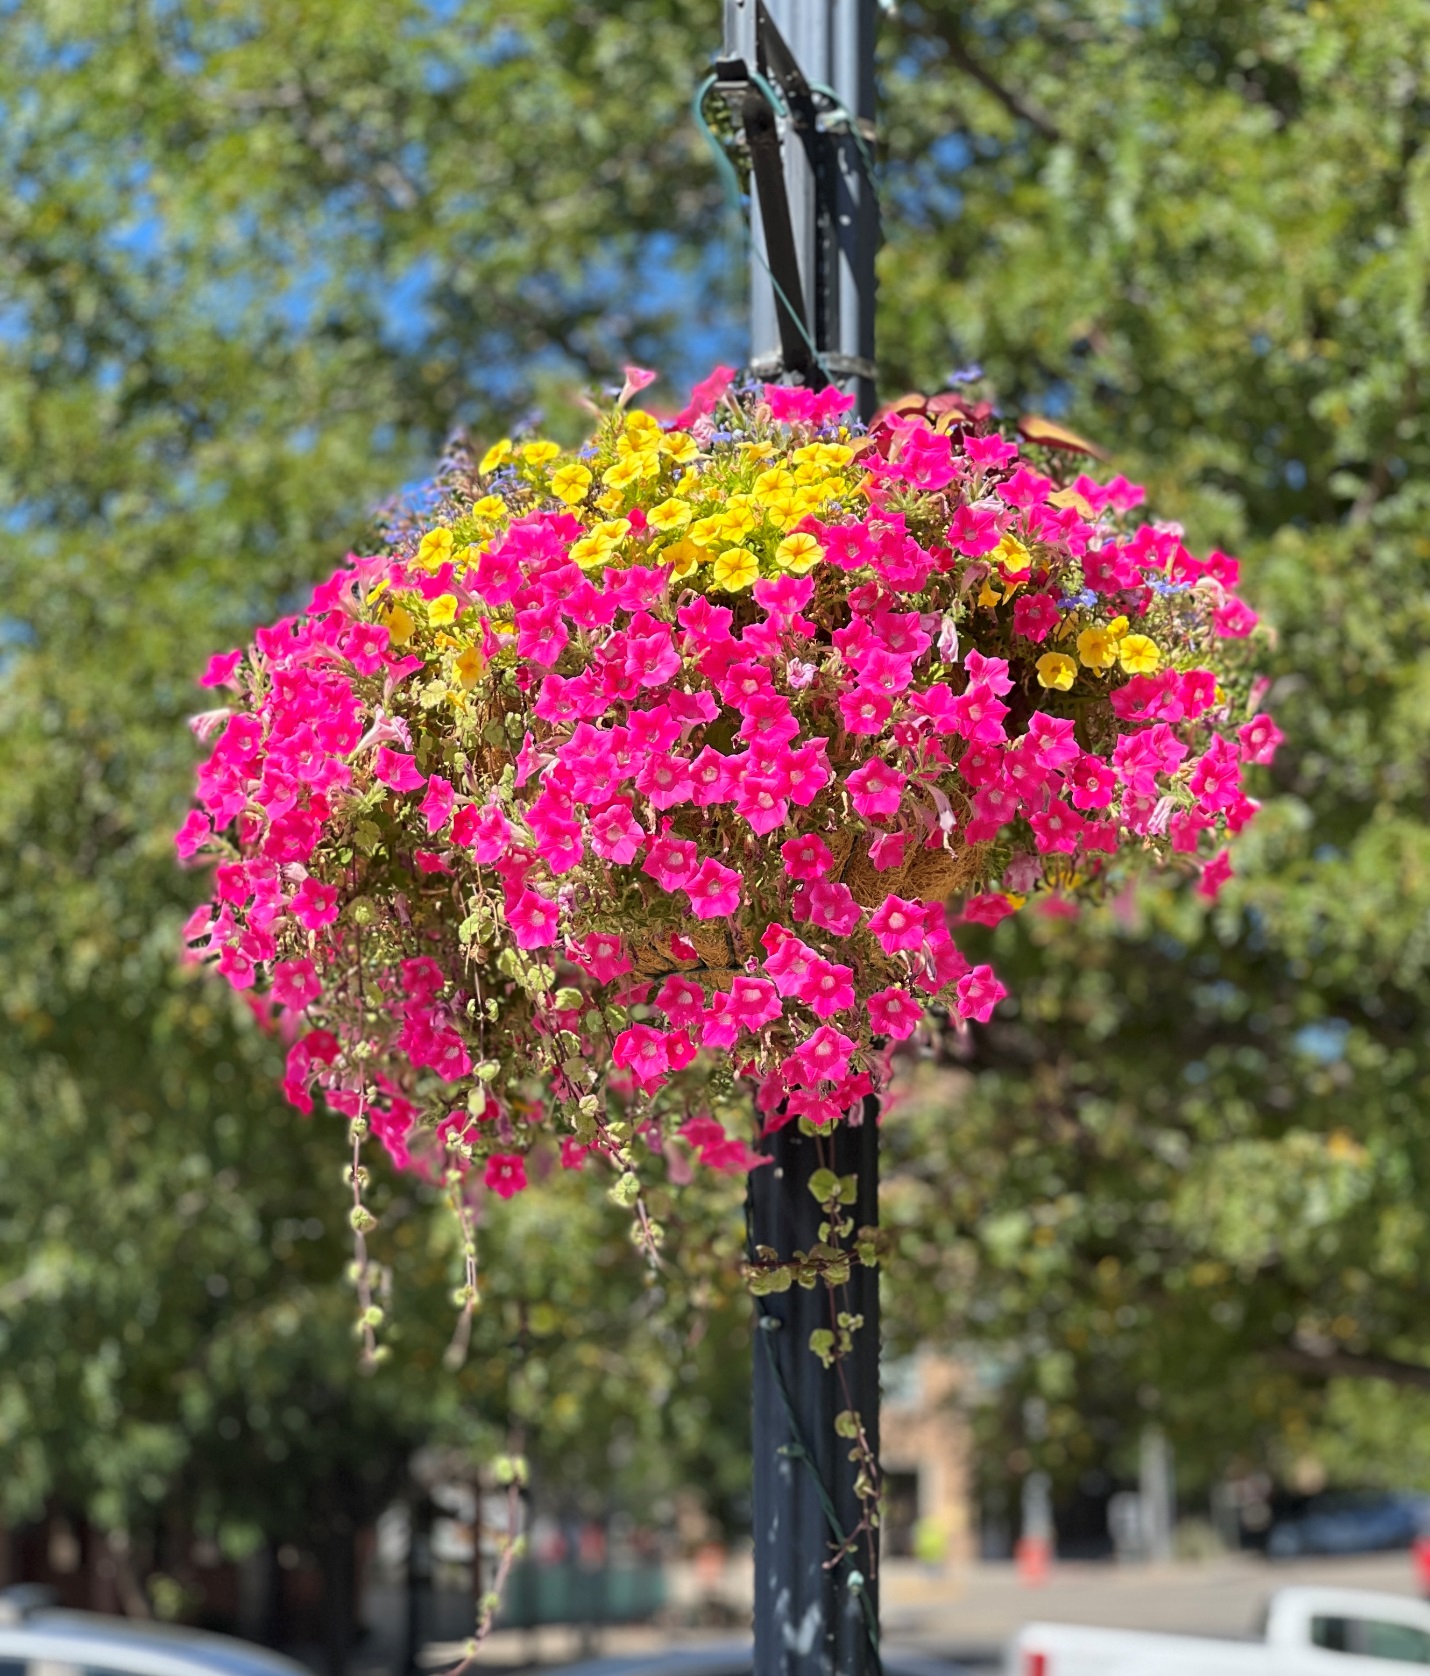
(1186, 1180)
(256, 260)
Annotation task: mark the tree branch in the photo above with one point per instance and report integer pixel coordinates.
(1350, 1364)
(948, 30)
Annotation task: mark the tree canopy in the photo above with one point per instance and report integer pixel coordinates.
(258, 260)
(1200, 235)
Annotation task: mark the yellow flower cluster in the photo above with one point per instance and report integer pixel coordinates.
(721, 518)
(1099, 647)
(734, 511)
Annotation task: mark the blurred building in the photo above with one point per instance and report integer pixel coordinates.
(926, 1454)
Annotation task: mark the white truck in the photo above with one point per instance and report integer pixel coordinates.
(1309, 1632)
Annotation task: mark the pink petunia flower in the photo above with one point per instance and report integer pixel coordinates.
(704, 396)
(1053, 742)
(806, 857)
(1093, 783)
(314, 904)
(1259, 739)
(979, 992)
(505, 1174)
(714, 890)
(220, 669)
(665, 780)
(533, 920)
(830, 906)
(603, 955)
(989, 908)
(671, 862)
(296, 983)
(893, 1012)
(865, 711)
(898, 924)
(876, 788)
(195, 832)
(616, 834)
(827, 988)
(1035, 616)
(682, 1000)
(642, 1051)
(754, 1002)
(436, 807)
(824, 1057)
(887, 850)
(397, 769)
(1234, 620)
(1214, 875)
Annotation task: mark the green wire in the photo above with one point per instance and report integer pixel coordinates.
(853, 122)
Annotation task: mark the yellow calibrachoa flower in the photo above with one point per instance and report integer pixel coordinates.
(1138, 654)
(441, 610)
(469, 666)
(498, 454)
(738, 517)
(598, 544)
(736, 568)
(627, 470)
(1118, 627)
(400, 624)
(988, 594)
(570, 483)
(684, 555)
(832, 456)
(539, 452)
(611, 500)
(1056, 671)
(798, 553)
(783, 511)
(489, 507)
(679, 447)
(1012, 554)
(435, 548)
(705, 532)
(771, 484)
(669, 515)
(1097, 648)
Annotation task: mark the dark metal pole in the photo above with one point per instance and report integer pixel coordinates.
(816, 1608)
(814, 225)
(811, 50)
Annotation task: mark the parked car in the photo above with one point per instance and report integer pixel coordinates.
(1350, 1522)
(1309, 1632)
(38, 1640)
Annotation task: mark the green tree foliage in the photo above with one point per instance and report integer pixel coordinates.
(255, 263)
(255, 260)
(1189, 1174)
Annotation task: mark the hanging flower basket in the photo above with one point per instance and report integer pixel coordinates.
(682, 756)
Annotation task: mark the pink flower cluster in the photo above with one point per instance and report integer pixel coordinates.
(667, 821)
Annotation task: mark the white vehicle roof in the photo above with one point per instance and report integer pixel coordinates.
(90, 1641)
(1299, 1604)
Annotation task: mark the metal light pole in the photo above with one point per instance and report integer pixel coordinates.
(798, 76)
(815, 220)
